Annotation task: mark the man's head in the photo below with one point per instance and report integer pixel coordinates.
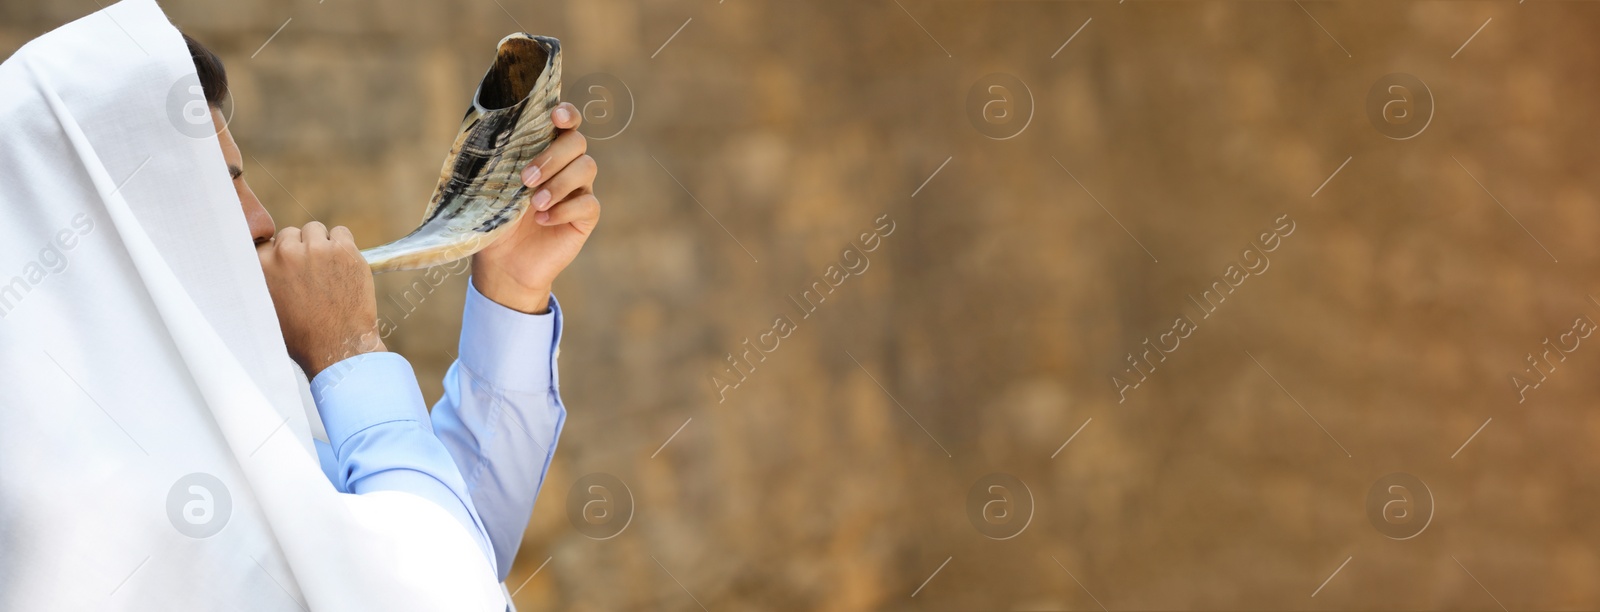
(214, 81)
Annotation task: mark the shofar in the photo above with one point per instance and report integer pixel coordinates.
(480, 189)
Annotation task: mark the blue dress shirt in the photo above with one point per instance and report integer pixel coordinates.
(484, 452)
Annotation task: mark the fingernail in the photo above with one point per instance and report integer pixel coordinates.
(530, 175)
(542, 218)
(563, 115)
(541, 200)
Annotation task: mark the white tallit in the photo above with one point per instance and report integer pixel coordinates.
(138, 347)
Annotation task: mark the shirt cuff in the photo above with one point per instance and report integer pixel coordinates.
(510, 350)
(366, 390)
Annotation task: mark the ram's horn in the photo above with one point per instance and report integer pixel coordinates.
(480, 189)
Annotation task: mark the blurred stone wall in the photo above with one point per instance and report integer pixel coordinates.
(1071, 215)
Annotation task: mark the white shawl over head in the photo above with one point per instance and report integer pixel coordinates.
(154, 452)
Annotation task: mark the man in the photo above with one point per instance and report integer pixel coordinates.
(155, 447)
(485, 450)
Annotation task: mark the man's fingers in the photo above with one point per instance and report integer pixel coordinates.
(577, 175)
(286, 237)
(583, 211)
(341, 234)
(567, 147)
(314, 232)
(566, 116)
(342, 238)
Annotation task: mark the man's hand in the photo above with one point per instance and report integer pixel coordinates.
(518, 269)
(322, 289)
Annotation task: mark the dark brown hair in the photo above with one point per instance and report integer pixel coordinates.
(213, 78)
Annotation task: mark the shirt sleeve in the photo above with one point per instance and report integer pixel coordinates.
(501, 413)
(380, 437)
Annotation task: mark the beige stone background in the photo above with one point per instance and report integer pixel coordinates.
(1007, 296)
